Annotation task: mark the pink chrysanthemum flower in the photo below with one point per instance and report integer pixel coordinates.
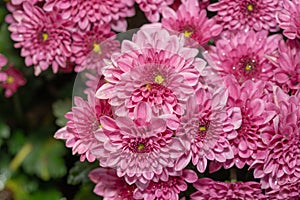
(110, 186)
(14, 79)
(86, 13)
(155, 68)
(191, 21)
(168, 190)
(209, 189)
(204, 129)
(287, 73)
(290, 191)
(245, 55)
(3, 62)
(44, 38)
(281, 163)
(89, 49)
(247, 15)
(18, 2)
(83, 124)
(256, 112)
(139, 148)
(153, 8)
(202, 4)
(289, 18)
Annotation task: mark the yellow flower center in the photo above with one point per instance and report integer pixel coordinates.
(187, 33)
(97, 48)
(148, 86)
(45, 36)
(202, 128)
(248, 67)
(140, 146)
(10, 79)
(159, 79)
(250, 7)
(100, 126)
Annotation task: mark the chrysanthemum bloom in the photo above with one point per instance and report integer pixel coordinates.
(191, 21)
(110, 186)
(156, 68)
(153, 8)
(3, 62)
(204, 129)
(287, 72)
(289, 191)
(86, 13)
(83, 123)
(245, 55)
(44, 38)
(14, 79)
(167, 190)
(256, 111)
(289, 18)
(89, 49)
(208, 189)
(281, 164)
(247, 15)
(138, 149)
(202, 4)
(19, 2)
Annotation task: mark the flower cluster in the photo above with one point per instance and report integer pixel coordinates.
(180, 98)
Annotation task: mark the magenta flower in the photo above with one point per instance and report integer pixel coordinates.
(139, 148)
(153, 8)
(86, 13)
(204, 129)
(281, 164)
(92, 47)
(287, 73)
(289, 191)
(191, 22)
(208, 189)
(202, 4)
(3, 62)
(167, 189)
(256, 111)
(44, 38)
(247, 15)
(14, 80)
(289, 18)
(83, 123)
(155, 68)
(245, 55)
(110, 186)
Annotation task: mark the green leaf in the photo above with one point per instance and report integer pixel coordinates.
(46, 195)
(4, 132)
(16, 141)
(79, 173)
(86, 192)
(46, 159)
(60, 108)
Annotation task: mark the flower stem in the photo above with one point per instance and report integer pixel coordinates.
(233, 176)
(20, 157)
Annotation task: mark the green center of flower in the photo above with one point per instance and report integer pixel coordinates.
(140, 146)
(187, 33)
(45, 36)
(100, 126)
(159, 79)
(97, 48)
(10, 79)
(250, 7)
